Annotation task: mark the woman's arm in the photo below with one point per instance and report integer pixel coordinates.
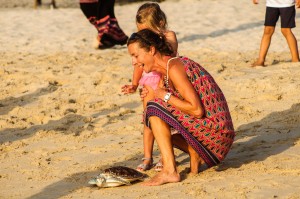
(191, 103)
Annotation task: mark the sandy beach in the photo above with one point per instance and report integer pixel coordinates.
(63, 118)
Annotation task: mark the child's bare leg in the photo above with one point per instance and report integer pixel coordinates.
(264, 46)
(148, 140)
(196, 160)
(292, 42)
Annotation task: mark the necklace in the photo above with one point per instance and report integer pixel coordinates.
(166, 78)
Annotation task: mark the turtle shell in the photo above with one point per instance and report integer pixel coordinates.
(125, 173)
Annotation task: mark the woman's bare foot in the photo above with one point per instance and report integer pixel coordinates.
(162, 178)
(196, 162)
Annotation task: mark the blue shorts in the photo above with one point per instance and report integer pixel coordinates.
(287, 16)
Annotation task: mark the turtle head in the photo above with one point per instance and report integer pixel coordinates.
(99, 181)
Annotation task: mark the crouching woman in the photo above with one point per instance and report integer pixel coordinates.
(187, 100)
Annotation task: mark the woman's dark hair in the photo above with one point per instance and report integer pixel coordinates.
(147, 38)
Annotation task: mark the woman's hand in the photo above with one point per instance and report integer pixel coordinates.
(148, 90)
(160, 93)
(129, 89)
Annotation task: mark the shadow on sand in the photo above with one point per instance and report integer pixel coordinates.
(222, 32)
(69, 124)
(272, 135)
(225, 31)
(8, 104)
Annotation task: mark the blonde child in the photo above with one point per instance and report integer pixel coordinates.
(286, 10)
(150, 16)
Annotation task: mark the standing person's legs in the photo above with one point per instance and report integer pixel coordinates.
(110, 33)
(90, 10)
(287, 16)
(271, 18)
(162, 134)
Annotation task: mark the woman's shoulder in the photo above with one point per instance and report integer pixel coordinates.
(188, 62)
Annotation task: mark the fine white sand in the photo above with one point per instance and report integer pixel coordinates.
(63, 118)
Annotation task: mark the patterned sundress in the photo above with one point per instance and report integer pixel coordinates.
(213, 134)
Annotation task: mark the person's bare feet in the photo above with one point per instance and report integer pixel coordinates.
(195, 162)
(258, 63)
(162, 178)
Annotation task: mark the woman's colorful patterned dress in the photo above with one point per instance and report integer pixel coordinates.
(213, 134)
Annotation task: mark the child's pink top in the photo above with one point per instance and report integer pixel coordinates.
(150, 79)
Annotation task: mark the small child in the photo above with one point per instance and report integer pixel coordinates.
(286, 10)
(150, 16)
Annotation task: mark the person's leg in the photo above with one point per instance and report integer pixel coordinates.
(162, 135)
(90, 11)
(288, 22)
(148, 143)
(109, 31)
(195, 159)
(292, 42)
(148, 140)
(102, 21)
(106, 7)
(264, 46)
(53, 3)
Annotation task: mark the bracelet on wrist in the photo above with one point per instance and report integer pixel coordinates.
(167, 97)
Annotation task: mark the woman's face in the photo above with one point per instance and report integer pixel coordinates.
(140, 57)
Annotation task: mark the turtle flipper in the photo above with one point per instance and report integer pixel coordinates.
(93, 181)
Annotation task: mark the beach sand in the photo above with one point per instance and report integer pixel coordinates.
(63, 118)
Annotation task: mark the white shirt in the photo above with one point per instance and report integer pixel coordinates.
(280, 3)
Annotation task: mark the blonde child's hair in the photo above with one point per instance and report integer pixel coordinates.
(152, 16)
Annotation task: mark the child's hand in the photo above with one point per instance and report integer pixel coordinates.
(255, 1)
(129, 89)
(298, 4)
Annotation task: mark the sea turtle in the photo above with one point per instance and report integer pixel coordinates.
(116, 176)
